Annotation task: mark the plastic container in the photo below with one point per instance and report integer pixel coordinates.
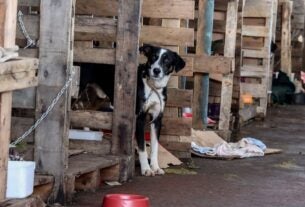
(85, 135)
(20, 179)
(125, 200)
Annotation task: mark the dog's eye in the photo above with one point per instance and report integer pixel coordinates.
(166, 60)
(154, 57)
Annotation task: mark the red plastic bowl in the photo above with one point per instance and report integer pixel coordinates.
(125, 200)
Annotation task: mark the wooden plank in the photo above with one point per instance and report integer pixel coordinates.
(229, 51)
(91, 119)
(212, 64)
(255, 53)
(18, 65)
(29, 52)
(35, 3)
(256, 31)
(253, 68)
(171, 9)
(96, 28)
(257, 8)
(257, 74)
(123, 125)
(5, 127)
(55, 55)
(85, 163)
(256, 90)
(286, 37)
(8, 10)
(176, 126)
(97, 7)
(167, 36)
(17, 81)
(179, 98)
(151, 8)
(94, 55)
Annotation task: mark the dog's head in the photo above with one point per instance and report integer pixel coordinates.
(161, 62)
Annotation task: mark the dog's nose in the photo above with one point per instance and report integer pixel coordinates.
(156, 71)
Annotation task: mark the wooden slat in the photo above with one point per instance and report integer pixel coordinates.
(212, 64)
(35, 3)
(94, 55)
(151, 8)
(219, 26)
(85, 163)
(255, 31)
(229, 51)
(256, 90)
(29, 52)
(17, 81)
(253, 68)
(176, 126)
(167, 36)
(175, 9)
(8, 10)
(97, 28)
(258, 8)
(18, 65)
(179, 98)
(221, 5)
(253, 74)
(91, 119)
(31, 23)
(126, 63)
(255, 53)
(55, 56)
(97, 7)
(286, 37)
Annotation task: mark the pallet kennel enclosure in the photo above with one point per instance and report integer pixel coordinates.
(118, 27)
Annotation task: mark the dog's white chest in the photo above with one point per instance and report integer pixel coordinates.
(154, 103)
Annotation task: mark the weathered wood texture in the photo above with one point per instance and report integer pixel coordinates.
(229, 51)
(286, 37)
(123, 125)
(255, 51)
(18, 74)
(55, 63)
(8, 10)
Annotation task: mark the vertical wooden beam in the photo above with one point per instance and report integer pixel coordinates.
(126, 66)
(286, 37)
(201, 82)
(55, 54)
(8, 11)
(229, 51)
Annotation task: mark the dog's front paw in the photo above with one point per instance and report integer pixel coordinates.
(158, 171)
(147, 172)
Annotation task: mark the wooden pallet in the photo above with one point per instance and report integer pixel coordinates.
(87, 171)
(257, 33)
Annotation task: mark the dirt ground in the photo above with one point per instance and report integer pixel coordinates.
(270, 181)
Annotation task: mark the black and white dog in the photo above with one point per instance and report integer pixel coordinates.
(151, 96)
(153, 77)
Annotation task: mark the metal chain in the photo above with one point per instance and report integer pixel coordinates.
(46, 113)
(30, 42)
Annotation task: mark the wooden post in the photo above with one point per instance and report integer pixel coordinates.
(286, 37)
(201, 81)
(55, 54)
(126, 64)
(8, 11)
(229, 51)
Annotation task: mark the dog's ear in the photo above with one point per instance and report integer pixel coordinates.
(179, 63)
(146, 50)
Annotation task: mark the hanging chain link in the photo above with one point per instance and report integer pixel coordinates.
(46, 113)
(30, 41)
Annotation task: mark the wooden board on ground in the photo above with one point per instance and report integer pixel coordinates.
(166, 158)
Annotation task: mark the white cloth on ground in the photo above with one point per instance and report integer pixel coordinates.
(246, 147)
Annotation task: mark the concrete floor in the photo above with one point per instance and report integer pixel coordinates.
(270, 181)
